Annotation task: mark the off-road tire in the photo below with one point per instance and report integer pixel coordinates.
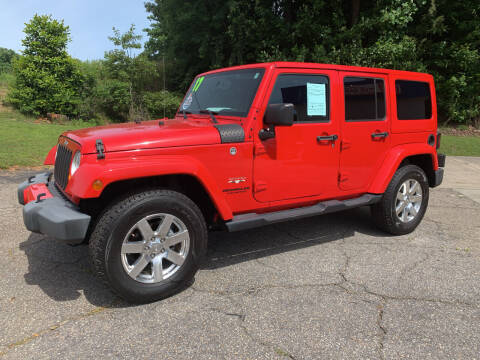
(383, 212)
(113, 225)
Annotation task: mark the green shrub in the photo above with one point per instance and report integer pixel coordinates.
(161, 103)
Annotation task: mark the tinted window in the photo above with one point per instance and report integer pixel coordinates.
(413, 100)
(309, 94)
(364, 99)
(228, 93)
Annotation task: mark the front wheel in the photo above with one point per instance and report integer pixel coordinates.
(404, 203)
(149, 245)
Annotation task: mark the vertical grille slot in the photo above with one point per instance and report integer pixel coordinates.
(62, 166)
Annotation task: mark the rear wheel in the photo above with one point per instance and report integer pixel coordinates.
(149, 245)
(404, 203)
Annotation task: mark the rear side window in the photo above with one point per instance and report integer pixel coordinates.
(413, 100)
(309, 94)
(364, 99)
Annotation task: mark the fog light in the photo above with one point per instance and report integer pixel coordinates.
(97, 185)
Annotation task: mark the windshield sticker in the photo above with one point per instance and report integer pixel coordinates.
(188, 101)
(198, 83)
(316, 100)
(256, 76)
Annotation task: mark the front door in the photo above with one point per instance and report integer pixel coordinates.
(301, 160)
(365, 129)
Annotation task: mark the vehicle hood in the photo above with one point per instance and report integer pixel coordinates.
(146, 135)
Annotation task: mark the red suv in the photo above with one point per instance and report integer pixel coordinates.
(249, 146)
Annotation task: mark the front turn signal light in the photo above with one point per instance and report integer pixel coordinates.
(97, 185)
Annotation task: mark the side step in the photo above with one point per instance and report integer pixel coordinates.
(253, 220)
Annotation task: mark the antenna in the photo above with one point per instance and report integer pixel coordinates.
(164, 90)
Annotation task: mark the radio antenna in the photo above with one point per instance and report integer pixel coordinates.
(164, 87)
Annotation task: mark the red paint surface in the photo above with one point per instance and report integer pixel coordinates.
(31, 193)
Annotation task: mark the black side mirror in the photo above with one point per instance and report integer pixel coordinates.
(279, 114)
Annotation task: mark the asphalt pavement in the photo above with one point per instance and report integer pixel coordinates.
(328, 287)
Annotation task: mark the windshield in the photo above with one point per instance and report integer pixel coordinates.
(228, 93)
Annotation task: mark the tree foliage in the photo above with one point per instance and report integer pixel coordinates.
(6, 58)
(130, 86)
(47, 78)
(440, 37)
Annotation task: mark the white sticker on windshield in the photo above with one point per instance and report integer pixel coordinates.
(188, 101)
(256, 75)
(316, 100)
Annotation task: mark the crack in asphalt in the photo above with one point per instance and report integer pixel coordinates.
(54, 327)
(266, 344)
(412, 267)
(383, 331)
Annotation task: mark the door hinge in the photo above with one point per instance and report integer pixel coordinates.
(259, 150)
(345, 144)
(259, 186)
(342, 177)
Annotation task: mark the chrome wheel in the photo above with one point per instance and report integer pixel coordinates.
(409, 200)
(155, 248)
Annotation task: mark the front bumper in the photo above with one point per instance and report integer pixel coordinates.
(51, 214)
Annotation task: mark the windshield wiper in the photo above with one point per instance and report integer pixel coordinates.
(211, 113)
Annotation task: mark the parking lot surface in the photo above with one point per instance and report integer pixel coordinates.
(331, 286)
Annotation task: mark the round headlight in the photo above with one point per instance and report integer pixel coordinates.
(75, 163)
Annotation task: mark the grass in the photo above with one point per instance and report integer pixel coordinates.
(6, 79)
(460, 145)
(26, 143)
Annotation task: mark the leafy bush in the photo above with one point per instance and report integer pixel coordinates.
(161, 103)
(114, 99)
(6, 58)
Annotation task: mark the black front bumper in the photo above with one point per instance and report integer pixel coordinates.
(56, 216)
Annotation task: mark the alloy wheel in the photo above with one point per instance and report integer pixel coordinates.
(155, 248)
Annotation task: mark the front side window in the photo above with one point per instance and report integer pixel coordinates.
(309, 95)
(364, 99)
(413, 100)
(228, 93)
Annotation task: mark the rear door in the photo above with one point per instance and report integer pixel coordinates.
(365, 128)
(296, 163)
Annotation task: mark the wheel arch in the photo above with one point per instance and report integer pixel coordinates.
(422, 155)
(125, 176)
(185, 184)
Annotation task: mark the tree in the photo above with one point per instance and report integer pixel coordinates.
(6, 58)
(47, 78)
(128, 74)
(441, 37)
(190, 35)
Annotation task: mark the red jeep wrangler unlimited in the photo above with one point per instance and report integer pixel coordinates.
(249, 146)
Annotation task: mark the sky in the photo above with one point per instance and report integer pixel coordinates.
(90, 22)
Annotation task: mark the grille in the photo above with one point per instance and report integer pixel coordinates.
(62, 166)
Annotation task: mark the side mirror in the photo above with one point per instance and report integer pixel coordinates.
(279, 114)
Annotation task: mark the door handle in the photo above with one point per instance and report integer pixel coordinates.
(327, 138)
(379, 135)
